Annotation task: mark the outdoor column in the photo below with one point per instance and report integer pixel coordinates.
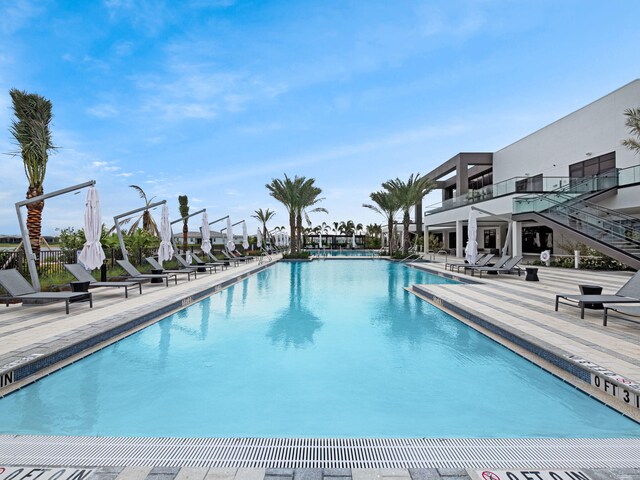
(516, 238)
(459, 244)
(425, 232)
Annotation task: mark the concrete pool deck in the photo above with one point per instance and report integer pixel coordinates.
(31, 333)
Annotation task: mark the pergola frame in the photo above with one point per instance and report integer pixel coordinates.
(117, 218)
(31, 259)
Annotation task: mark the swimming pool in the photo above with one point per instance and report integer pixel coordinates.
(319, 349)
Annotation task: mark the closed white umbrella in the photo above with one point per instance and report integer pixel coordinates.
(471, 250)
(245, 237)
(320, 241)
(353, 241)
(92, 254)
(206, 234)
(259, 238)
(231, 245)
(165, 252)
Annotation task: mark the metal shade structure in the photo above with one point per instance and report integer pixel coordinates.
(92, 254)
(31, 260)
(116, 221)
(165, 251)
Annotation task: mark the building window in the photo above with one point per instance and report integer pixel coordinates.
(490, 238)
(530, 184)
(537, 239)
(593, 166)
(452, 239)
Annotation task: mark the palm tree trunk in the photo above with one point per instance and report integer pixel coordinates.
(292, 229)
(405, 241)
(390, 230)
(185, 236)
(34, 221)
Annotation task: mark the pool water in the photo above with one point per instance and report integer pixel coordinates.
(319, 349)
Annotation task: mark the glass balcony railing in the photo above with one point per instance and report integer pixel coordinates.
(567, 186)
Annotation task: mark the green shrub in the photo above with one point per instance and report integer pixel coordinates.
(296, 256)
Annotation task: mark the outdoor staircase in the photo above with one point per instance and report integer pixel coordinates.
(571, 211)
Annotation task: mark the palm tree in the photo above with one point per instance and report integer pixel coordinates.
(263, 217)
(31, 131)
(307, 197)
(183, 202)
(148, 223)
(296, 195)
(285, 192)
(633, 122)
(347, 228)
(408, 194)
(385, 203)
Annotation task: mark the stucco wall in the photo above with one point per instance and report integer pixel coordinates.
(597, 128)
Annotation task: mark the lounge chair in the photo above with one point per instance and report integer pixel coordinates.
(239, 256)
(135, 274)
(20, 289)
(181, 260)
(627, 311)
(234, 258)
(181, 271)
(499, 263)
(628, 293)
(82, 275)
(225, 260)
(222, 265)
(482, 259)
(510, 266)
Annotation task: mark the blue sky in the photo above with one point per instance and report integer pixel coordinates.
(214, 98)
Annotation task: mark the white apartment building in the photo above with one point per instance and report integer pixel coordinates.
(522, 190)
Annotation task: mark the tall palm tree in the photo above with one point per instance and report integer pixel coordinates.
(347, 228)
(408, 194)
(297, 195)
(263, 217)
(31, 131)
(308, 196)
(385, 203)
(633, 122)
(285, 192)
(148, 223)
(183, 202)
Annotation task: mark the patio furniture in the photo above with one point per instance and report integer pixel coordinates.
(628, 293)
(135, 274)
(222, 265)
(20, 289)
(182, 261)
(481, 260)
(501, 261)
(84, 276)
(623, 312)
(532, 274)
(509, 267)
(157, 268)
(591, 290)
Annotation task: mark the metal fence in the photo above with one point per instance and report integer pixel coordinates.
(52, 261)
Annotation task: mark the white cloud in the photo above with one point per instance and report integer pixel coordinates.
(103, 110)
(15, 14)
